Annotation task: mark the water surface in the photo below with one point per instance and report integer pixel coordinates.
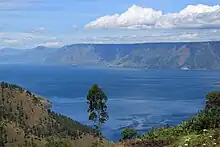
(137, 98)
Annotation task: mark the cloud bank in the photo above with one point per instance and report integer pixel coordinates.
(52, 44)
(193, 16)
(28, 40)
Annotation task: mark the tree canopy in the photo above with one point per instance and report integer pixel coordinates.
(97, 106)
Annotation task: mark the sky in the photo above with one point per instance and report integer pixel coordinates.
(54, 23)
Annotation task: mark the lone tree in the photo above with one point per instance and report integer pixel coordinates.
(97, 107)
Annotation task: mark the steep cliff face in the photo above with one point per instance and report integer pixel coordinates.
(195, 55)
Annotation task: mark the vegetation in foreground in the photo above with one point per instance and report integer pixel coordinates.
(25, 121)
(200, 130)
(97, 109)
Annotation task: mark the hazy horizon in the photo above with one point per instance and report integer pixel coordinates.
(31, 23)
(52, 47)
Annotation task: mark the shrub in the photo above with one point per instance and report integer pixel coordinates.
(209, 118)
(129, 133)
(206, 138)
(213, 100)
(165, 133)
(205, 119)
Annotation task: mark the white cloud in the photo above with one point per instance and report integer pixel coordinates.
(193, 16)
(188, 36)
(109, 36)
(27, 40)
(38, 31)
(20, 36)
(10, 41)
(151, 35)
(52, 44)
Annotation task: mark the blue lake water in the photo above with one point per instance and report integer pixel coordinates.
(137, 98)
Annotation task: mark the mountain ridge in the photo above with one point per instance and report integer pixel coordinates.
(174, 55)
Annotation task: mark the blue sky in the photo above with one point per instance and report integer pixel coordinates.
(29, 23)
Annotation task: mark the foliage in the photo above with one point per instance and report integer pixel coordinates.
(129, 133)
(96, 144)
(201, 130)
(164, 133)
(213, 100)
(205, 119)
(66, 126)
(18, 108)
(97, 106)
(3, 138)
(3, 135)
(55, 143)
(11, 86)
(197, 130)
(206, 138)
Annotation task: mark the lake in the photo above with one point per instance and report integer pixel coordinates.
(138, 98)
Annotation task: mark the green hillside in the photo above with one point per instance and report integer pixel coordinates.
(26, 121)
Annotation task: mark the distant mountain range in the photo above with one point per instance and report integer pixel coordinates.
(193, 55)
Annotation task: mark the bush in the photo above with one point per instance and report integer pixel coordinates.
(206, 138)
(213, 100)
(129, 133)
(205, 119)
